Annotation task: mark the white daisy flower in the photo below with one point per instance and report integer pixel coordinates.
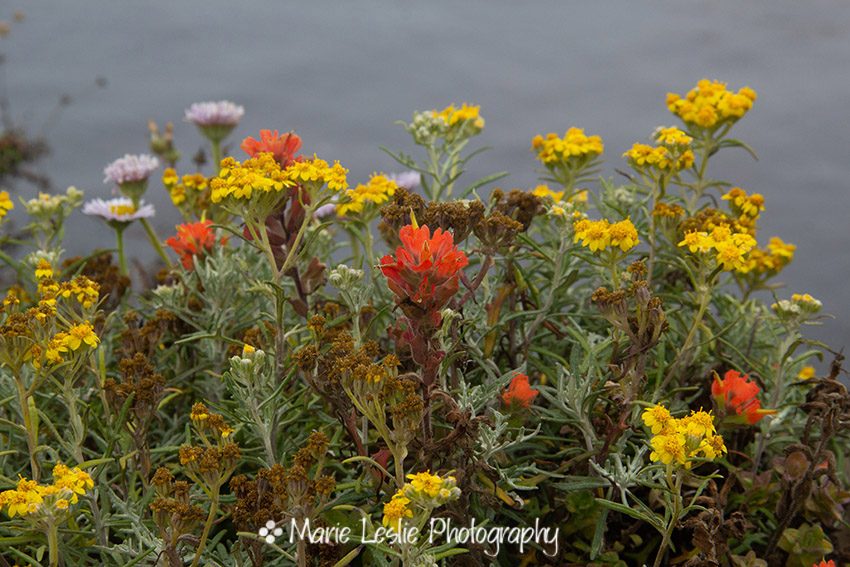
(130, 169)
(221, 113)
(120, 209)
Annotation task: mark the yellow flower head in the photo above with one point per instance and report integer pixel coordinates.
(672, 137)
(259, 174)
(543, 192)
(43, 269)
(658, 419)
(575, 147)
(317, 172)
(426, 483)
(169, 177)
(594, 234)
(711, 104)
(807, 373)
(378, 190)
(396, 510)
(6, 203)
(453, 116)
(679, 441)
(623, 234)
(82, 333)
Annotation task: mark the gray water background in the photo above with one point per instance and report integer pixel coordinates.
(340, 73)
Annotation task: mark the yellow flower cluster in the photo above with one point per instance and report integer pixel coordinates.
(575, 145)
(748, 207)
(800, 306)
(597, 235)
(466, 114)
(425, 491)
(671, 155)
(317, 172)
(397, 509)
(431, 486)
(205, 420)
(30, 497)
(806, 301)
(6, 203)
(261, 174)
(711, 104)
(730, 248)
(678, 441)
(66, 342)
(663, 210)
(178, 187)
(378, 190)
(771, 260)
(543, 192)
(807, 373)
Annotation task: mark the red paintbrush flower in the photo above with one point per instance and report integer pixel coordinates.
(424, 273)
(192, 239)
(825, 563)
(282, 146)
(519, 392)
(735, 396)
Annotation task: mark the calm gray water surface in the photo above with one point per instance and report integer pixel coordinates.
(341, 73)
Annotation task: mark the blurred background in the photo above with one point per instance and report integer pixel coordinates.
(88, 75)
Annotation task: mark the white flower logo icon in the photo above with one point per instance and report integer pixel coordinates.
(270, 531)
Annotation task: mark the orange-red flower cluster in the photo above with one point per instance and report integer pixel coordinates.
(192, 239)
(519, 392)
(424, 273)
(282, 146)
(736, 395)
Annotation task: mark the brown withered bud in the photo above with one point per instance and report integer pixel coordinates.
(497, 231)
(396, 214)
(460, 217)
(522, 206)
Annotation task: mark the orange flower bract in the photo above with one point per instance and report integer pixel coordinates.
(736, 394)
(519, 392)
(192, 239)
(282, 146)
(425, 269)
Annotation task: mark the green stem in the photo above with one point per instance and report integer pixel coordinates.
(53, 543)
(216, 155)
(676, 491)
(704, 300)
(122, 259)
(29, 426)
(207, 526)
(155, 242)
